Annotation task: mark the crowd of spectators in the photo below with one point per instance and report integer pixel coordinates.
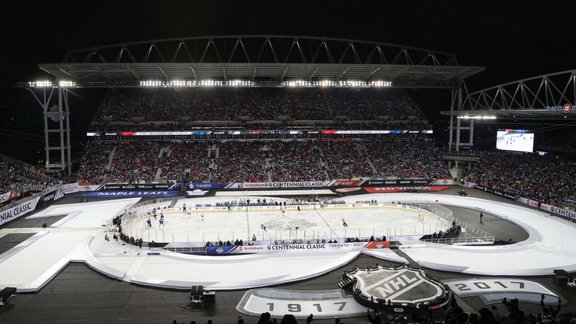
(135, 161)
(187, 161)
(547, 179)
(407, 158)
(94, 162)
(258, 104)
(344, 160)
(23, 177)
(233, 125)
(511, 313)
(247, 108)
(295, 161)
(260, 161)
(240, 161)
(120, 162)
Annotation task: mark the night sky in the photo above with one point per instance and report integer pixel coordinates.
(513, 39)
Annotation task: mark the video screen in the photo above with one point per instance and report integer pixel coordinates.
(519, 140)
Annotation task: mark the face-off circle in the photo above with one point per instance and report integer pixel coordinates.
(288, 224)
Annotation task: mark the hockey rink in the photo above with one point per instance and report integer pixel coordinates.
(273, 223)
(79, 237)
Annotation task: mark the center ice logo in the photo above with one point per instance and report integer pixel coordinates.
(396, 285)
(382, 288)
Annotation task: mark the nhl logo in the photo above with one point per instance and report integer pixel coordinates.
(390, 289)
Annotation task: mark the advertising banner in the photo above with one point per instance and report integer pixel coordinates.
(497, 192)
(18, 210)
(340, 183)
(397, 182)
(70, 188)
(132, 194)
(559, 211)
(5, 197)
(76, 187)
(316, 246)
(141, 186)
(569, 203)
(10, 195)
(405, 189)
(243, 249)
(442, 182)
(300, 247)
(295, 184)
(51, 196)
(220, 249)
(377, 245)
(470, 184)
(346, 183)
(349, 190)
(550, 208)
(527, 201)
(196, 192)
(208, 185)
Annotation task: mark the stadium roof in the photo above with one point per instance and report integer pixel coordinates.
(549, 96)
(263, 59)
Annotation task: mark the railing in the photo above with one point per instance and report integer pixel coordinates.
(139, 210)
(469, 235)
(14, 203)
(286, 229)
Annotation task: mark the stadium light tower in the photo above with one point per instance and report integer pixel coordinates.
(53, 98)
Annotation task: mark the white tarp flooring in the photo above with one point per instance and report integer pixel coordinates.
(80, 237)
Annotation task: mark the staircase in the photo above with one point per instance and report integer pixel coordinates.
(322, 161)
(346, 283)
(361, 150)
(111, 158)
(166, 151)
(158, 175)
(375, 172)
(268, 167)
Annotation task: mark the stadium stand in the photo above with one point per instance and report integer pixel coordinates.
(17, 175)
(260, 160)
(406, 158)
(343, 160)
(240, 161)
(179, 159)
(135, 160)
(530, 176)
(253, 108)
(95, 162)
(261, 108)
(546, 179)
(295, 161)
